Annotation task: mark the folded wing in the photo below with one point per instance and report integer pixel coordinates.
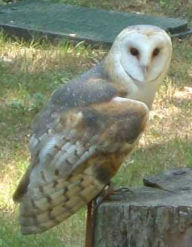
(73, 161)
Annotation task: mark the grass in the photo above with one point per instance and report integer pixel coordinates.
(29, 74)
(181, 8)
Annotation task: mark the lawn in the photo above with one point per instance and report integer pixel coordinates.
(30, 71)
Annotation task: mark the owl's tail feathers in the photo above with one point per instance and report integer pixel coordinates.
(37, 223)
(47, 208)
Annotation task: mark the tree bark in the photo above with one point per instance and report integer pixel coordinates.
(159, 214)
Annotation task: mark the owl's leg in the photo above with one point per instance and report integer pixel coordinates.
(92, 206)
(90, 225)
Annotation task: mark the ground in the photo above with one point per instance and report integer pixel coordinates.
(30, 71)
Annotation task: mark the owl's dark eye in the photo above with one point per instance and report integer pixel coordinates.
(156, 52)
(134, 52)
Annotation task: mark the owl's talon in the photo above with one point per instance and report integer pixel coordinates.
(105, 194)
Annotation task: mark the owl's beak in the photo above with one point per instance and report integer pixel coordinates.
(145, 69)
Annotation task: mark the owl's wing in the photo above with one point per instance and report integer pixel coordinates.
(72, 162)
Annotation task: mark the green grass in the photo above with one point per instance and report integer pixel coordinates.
(162, 7)
(29, 74)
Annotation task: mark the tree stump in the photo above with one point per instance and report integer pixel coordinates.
(159, 214)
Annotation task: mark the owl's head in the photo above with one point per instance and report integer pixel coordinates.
(139, 58)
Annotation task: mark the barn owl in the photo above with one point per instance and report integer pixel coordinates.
(89, 127)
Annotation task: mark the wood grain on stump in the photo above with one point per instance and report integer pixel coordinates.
(159, 214)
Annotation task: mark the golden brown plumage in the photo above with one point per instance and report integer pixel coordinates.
(80, 140)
